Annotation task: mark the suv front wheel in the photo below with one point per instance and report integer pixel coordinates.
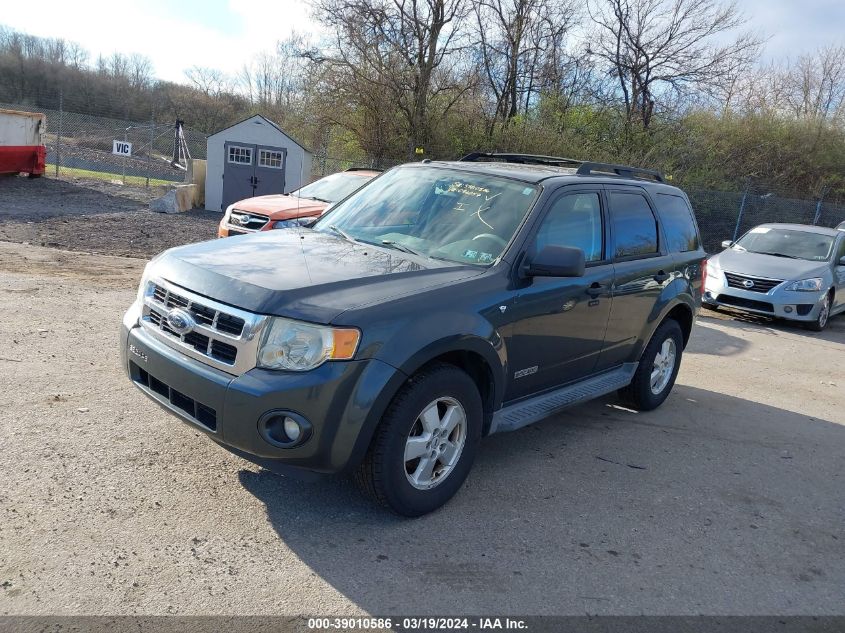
(658, 368)
(425, 445)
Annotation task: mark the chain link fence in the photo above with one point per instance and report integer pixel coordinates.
(727, 215)
(81, 145)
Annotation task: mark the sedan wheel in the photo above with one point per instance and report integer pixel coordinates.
(824, 316)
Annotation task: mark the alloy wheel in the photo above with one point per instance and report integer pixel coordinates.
(664, 366)
(435, 443)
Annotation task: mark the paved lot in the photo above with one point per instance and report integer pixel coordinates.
(730, 499)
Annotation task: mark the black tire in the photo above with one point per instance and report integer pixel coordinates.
(382, 475)
(824, 316)
(639, 393)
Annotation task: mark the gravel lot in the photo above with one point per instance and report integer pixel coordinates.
(729, 499)
(95, 216)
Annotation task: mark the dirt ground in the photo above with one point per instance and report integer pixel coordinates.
(95, 216)
(729, 499)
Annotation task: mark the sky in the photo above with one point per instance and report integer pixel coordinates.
(226, 34)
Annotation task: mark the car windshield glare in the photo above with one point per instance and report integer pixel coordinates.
(332, 188)
(437, 212)
(789, 243)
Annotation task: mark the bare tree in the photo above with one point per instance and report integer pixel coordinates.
(658, 48)
(815, 84)
(522, 46)
(402, 48)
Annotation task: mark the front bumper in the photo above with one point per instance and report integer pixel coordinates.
(783, 304)
(343, 401)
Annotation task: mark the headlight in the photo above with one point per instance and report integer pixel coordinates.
(145, 288)
(806, 285)
(285, 224)
(297, 346)
(712, 269)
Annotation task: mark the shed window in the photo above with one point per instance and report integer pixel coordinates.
(269, 158)
(240, 155)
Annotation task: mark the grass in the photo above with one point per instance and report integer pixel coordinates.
(99, 175)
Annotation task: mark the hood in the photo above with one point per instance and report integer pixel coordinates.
(301, 274)
(758, 265)
(281, 207)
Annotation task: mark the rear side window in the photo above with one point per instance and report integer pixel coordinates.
(634, 226)
(574, 220)
(678, 223)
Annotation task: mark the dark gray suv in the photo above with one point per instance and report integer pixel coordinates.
(443, 302)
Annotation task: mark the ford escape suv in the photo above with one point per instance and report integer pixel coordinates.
(443, 302)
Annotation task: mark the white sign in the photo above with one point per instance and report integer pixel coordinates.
(121, 148)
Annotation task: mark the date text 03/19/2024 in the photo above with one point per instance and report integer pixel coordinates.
(416, 624)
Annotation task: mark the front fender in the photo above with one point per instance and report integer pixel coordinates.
(414, 343)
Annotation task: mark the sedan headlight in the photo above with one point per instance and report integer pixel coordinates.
(297, 346)
(712, 269)
(806, 285)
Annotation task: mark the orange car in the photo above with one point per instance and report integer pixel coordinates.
(264, 213)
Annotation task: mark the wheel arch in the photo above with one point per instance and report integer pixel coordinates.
(477, 357)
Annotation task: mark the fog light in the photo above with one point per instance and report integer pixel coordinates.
(786, 309)
(284, 429)
(293, 430)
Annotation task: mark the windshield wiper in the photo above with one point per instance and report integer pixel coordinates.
(779, 255)
(342, 233)
(402, 247)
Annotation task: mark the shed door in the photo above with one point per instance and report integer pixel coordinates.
(238, 172)
(270, 170)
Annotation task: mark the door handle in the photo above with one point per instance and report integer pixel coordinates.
(661, 276)
(595, 289)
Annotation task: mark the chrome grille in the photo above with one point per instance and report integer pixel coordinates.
(247, 221)
(752, 284)
(222, 336)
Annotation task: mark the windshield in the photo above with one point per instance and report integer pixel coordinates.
(333, 188)
(435, 212)
(789, 243)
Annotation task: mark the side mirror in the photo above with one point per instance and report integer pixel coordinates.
(842, 261)
(727, 244)
(556, 261)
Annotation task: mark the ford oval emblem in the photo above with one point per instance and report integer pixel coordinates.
(748, 283)
(180, 321)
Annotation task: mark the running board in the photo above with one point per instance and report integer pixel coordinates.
(529, 411)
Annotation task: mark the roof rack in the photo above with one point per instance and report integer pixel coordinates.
(623, 171)
(523, 159)
(585, 168)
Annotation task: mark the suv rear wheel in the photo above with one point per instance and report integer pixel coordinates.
(658, 368)
(426, 443)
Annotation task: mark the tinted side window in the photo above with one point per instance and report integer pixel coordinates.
(574, 220)
(634, 227)
(678, 224)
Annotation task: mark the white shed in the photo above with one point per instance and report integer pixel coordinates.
(253, 158)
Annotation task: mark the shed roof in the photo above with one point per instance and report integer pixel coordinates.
(264, 118)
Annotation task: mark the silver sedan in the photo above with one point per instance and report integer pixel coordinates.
(790, 271)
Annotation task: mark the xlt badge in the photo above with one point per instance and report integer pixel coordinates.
(525, 372)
